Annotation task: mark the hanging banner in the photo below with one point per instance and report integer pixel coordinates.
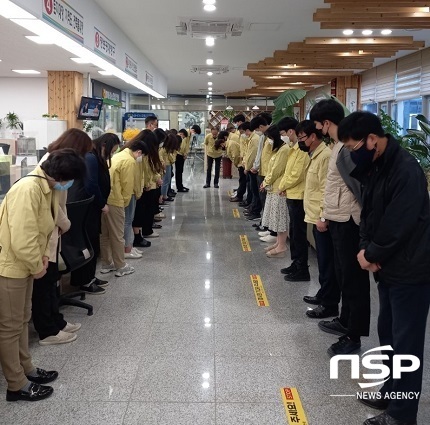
(130, 66)
(62, 16)
(104, 47)
(149, 80)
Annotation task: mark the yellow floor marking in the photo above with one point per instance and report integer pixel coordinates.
(260, 293)
(293, 406)
(236, 213)
(245, 243)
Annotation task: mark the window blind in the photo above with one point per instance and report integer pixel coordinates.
(386, 81)
(408, 81)
(368, 86)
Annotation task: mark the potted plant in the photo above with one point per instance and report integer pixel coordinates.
(46, 116)
(13, 122)
(54, 116)
(284, 104)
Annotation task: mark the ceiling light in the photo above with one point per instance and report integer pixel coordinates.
(80, 60)
(209, 1)
(105, 73)
(11, 11)
(386, 32)
(207, 96)
(210, 89)
(209, 83)
(255, 108)
(367, 32)
(39, 40)
(209, 61)
(210, 73)
(229, 108)
(25, 71)
(210, 41)
(209, 7)
(348, 32)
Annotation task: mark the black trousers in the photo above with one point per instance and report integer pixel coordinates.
(262, 194)
(179, 169)
(85, 274)
(248, 188)
(298, 233)
(146, 208)
(256, 203)
(403, 311)
(329, 293)
(210, 161)
(353, 280)
(242, 183)
(47, 319)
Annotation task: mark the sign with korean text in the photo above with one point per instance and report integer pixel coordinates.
(149, 79)
(65, 18)
(245, 243)
(236, 213)
(104, 47)
(130, 66)
(260, 293)
(106, 94)
(293, 406)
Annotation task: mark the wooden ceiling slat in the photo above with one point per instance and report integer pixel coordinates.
(372, 25)
(351, 41)
(399, 3)
(382, 14)
(353, 8)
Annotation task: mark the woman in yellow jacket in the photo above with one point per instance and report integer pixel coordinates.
(212, 154)
(167, 154)
(275, 215)
(28, 215)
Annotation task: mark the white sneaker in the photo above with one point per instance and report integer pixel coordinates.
(71, 327)
(264, 233)
(269, 238)
(233, 195)
(124, 271)
(133, 255)
(160, 215)
(107, 268)
(60, 338)
(152, 235)
(137, 251)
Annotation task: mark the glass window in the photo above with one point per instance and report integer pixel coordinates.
(406, 111)
(371, 107)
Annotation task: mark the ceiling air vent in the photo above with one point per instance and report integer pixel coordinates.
(199, 28)
(203, 69)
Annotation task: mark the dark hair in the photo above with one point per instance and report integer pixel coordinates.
(151, 142)
(196, 129)
(215, 128)
(359, 125)
(273, 133)
(64, 164)
(222, 138)
(239, 117)
(183, 131)
(173, 131)
(308, 127)
(287, 123)
(327, 109)
(75, 139)
(171, 143)
(223, 135)
(160, 135)
(151, 118)
(257, 121)
(179, 139)
(106, 141)
(245, 126)
(266, 116)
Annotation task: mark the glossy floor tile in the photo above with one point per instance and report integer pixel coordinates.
(182, 341)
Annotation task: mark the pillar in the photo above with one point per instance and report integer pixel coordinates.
(347, 82)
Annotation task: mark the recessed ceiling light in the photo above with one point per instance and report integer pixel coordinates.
(105, 73)
(348, 32)
(210, 88)
(209, 7)
(25, 71)
(80, 60)
(207, 96)
(255, 108)
(210, 73)
(367, 32)
(210, 41)
(210, 83)
(386, 32)
(209, 61)
(209, 1)
(39, 40)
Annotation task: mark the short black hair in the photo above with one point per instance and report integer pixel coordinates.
(245, 126)
(359, 125)
(151, 118)
(273, 133)
(138, 145)
(173, 131)
(287, 123)
(64, 164)
(160, 135)
(308, 127)
(196, 129)
(257, 121)
(327, 109)
(266, 116)
(239, 117)
(183, 131)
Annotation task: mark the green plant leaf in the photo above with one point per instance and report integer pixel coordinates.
(285, 102)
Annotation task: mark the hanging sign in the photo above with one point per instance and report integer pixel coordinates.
(130, 66)
(149, 80)
(104, 47)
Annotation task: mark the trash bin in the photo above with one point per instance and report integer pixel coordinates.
(226, 168)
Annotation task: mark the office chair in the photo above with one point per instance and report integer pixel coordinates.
(76, 249)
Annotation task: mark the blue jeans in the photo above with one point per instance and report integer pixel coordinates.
(128, 222)
(166, 181)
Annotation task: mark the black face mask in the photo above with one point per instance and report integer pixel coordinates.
(363, 158)
(303, 147)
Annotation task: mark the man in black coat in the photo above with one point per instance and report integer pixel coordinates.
(395, 246)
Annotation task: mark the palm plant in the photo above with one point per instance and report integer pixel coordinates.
(284, 104)
(13, 121)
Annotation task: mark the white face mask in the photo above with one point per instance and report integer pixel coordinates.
(139, 159)
(258, 132)
(243, 136)
(285, 139)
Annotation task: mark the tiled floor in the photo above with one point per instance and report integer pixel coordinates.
(182, 341)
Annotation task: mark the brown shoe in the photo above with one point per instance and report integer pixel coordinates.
(235, 199)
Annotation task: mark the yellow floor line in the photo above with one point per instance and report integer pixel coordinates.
(260, 293)
(293, 406)
(245, 243)
(236, 213)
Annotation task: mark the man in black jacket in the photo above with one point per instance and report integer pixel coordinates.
(395, 246)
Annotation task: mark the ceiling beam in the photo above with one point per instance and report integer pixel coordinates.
(351, 41)
(371, 25)
(376, 3)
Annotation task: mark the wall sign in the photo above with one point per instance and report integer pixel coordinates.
(62, 16)
(106, 94)
(104, 47)
(149, 80)
(130, 66)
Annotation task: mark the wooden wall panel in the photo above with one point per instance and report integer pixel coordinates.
(347, 82)
(65, 89)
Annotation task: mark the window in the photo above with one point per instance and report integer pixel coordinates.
(405, 112)
(371, 107)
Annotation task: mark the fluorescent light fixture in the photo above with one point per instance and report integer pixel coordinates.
(209, 61)
(210, 41)
(386, 32)
(348, 32)
(39, 40)
(210, 73)
(154, 106)
(25, 71)
(209, 1)
(105, 72)
(255, 108)
(11, 11)
(80, 60)
(209, 7)
(367, 32)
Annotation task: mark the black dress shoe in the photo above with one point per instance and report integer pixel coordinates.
(290, 269)
(379, 404)
(206, 186)
(321, 312)
(386, 419)
(169, 199)
(300, 275)
(311, 300)
(43, 376)
(344, 346)
(236, 199)
(183, 190)
(333, 327)
(36, 392)
(216, 186)
(142, 244)
(102, 283)
(157, 226)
